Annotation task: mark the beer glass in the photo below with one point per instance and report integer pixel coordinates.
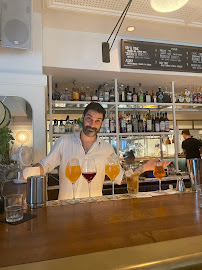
(73, 172)
(112, 169)
(159, 173)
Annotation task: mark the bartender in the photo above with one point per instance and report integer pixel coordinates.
(82, 145)
(191, 146)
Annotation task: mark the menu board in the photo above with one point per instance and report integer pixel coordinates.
(160, 56)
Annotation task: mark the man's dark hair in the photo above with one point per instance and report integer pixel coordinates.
(186, 132)
(96, 107)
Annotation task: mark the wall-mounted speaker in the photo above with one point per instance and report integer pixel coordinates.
(16, 28)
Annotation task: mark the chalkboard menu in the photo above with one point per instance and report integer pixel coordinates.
(160, 56)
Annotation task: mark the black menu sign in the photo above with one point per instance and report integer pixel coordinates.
(160, 56)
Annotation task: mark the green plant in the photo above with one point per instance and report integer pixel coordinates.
(6, 140)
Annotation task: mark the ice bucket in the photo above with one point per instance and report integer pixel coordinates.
(36, 191)
(193, 166)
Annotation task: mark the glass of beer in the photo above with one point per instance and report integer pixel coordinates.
(133, 183)
(159, 173)
(112, 169)
(73, 172)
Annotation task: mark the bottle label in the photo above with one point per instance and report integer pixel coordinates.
(134, 98)
(112, 126)
(149, 125)
(106, 96)
(181, 99)
(187, 93)
(123, 96)
(162, 126)
(154, 99)
(167, 126)
(148, 98)
(188, 99)
(129, 97)
(129, 128)
(75, 95)
(141, 99)
(157, 127)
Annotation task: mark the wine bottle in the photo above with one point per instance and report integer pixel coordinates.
(148, 121)
(157, 123)
(167, 124)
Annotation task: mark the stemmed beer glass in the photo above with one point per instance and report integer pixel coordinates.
(73, 172)
(89, 172)
(112, 169)
(159, 173)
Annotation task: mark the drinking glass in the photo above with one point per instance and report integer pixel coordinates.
(159, 173)
(89, 172)
(73, 172)
(112, 169)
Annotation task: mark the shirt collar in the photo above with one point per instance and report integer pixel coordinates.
(78, 138)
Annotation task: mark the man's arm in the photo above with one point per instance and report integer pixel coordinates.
(41, 168)
(150, 165)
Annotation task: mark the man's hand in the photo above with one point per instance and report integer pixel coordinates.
(150, 165)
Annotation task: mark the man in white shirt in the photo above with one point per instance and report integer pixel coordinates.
(82, 146)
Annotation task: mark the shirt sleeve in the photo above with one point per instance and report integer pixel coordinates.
(54, 157)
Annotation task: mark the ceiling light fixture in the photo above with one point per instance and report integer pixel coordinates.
(167, 5)
(130, 28)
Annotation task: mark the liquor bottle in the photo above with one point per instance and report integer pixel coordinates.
(181, 98)
(88, 95)
(122, 97)
(135, 123)
(153, 98)
(95, 95)
(140, 124)
(61, 127)
(128, 95)
(157, 123)
(140, 94)
(123, 125)
(112, 124)
(106, 124)
(111, 95)
(55, 127)
(148, 97)
(162, 123)
(130, 125)
(100, 93)
(76, 127)
(82, 94)
(63, 95)
(144, 123)
(68, 125)
(134, 96)
(159, 95)
(148, 121)
(75, 91)
(56, 93)
(106, 93)
(167, 124)
(165, 96)
(153, 123)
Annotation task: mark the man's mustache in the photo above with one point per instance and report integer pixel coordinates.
(89, 127)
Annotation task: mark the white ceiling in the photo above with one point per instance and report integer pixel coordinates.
(190, 14)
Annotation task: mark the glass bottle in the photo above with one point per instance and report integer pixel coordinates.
(95, 95)
(134, 95)
(140, 94)
(135, 123)
(159, 95)
(55, 127)
(148, 97)
(75, 91)
(128, 95)
(112, 124)
(111, 95)
(154, 98)
(68, 125)
(122, 94)
(61, 127)
(162, 122)
(167, 123)
(157, 123)
(140, 124)
(129, 125)
(82, 94)
(56, 93)
(106, 93)
(76, 127)
(88, 96)
(148, 121)
(106, 124)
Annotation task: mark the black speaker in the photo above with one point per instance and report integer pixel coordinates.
(16, 18)
(105, 52)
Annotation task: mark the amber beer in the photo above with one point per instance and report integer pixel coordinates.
(73, 172)
(159, 172)
(112, 171)
(133, 184)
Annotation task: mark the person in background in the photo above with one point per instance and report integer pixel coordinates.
(158, 153)
(82, 145)
(191, 146)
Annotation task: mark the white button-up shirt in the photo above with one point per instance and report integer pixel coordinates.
(70, 146)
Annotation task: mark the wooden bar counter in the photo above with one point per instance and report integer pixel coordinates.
(135, 233)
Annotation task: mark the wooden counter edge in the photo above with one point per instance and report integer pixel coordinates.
(172, 254)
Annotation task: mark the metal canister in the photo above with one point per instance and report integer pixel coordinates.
(193, 166)
(36, 191)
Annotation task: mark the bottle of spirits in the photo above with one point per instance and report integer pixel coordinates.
(144, 123)
(153, 123)
(159, 95)
(167, 124)
(95, 95)
(56, 93)
(88, 95)
(100, 93)
(122, 94)
(194, 97)
(157, 123)
(75, 92)
(75, 127)
(55, 127)
(61, 127)
(123, 125)
(82, 94)
(106, 93)
(140, 94)
(111, 95)
(129, 95)
(106, 124)
(130, 125)
(112, 125)
(68, 125)
(135, 123)
(162, 122)
(140, 124)
(148, 121)
(134, 96)
(148, 97)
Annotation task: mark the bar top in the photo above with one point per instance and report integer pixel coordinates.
(73, 230)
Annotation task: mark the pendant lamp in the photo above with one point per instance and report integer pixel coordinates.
(167, 5)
